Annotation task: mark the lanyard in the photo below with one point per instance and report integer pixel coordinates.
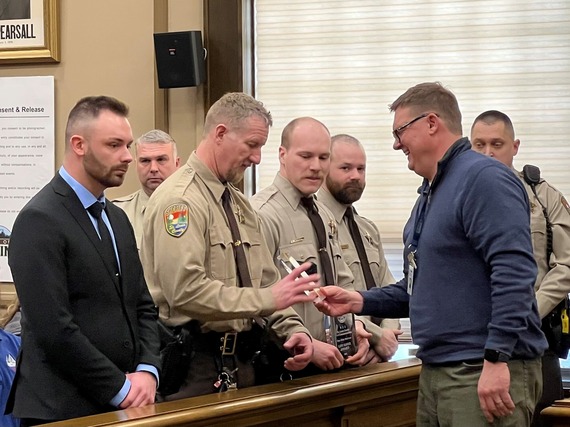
(413, 246)
(420, 218)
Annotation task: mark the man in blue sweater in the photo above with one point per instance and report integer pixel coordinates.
(470, 271)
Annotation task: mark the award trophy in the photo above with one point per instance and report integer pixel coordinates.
(342, 333)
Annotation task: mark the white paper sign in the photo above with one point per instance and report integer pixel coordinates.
(27, 150)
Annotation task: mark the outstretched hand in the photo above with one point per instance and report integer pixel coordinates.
(294, 288)
(338, 301)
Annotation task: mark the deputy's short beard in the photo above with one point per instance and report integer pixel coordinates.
(347, 194)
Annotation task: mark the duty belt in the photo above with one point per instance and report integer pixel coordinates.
(241, 344)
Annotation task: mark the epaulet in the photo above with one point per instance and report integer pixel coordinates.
(261, 198)
(125, 198)
(190, 173)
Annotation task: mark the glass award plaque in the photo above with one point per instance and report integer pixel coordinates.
(340, 331)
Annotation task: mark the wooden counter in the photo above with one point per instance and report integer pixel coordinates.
(380, 395)
(559, 413)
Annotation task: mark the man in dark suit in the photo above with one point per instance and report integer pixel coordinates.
(89, 335)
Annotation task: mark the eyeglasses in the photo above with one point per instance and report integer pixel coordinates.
(397, 132)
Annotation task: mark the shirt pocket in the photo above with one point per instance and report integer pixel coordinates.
(251, 239)
(374, 261)
(355, 264)
(301, 252)
(222, 260)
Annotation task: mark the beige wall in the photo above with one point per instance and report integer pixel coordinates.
(107, 48)
(113, 54)
(186, 105)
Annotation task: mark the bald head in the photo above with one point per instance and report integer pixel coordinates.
(304, 154)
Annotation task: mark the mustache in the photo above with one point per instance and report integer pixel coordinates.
(354, 185)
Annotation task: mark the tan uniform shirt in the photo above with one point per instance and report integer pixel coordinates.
(288, 229)
(188, 258)
(134, 205)
(553, 278)
(372, 246)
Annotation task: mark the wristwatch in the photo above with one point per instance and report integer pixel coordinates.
(495, 356)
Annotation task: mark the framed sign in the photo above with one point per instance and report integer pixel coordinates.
(29, 31)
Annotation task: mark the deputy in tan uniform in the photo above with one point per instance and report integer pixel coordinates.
(304, 157)
(156, 159)
(493, 134)
(188, 256)
(344, 185)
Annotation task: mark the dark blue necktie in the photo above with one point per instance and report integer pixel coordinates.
(108, 250)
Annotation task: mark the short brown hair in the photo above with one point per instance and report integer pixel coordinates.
(234, 108)
(89, 108)
(493, 116)
(432, 97)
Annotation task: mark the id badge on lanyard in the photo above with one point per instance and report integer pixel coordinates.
(413, 247)
(411, 270)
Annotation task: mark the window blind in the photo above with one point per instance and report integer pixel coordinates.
(344, 61)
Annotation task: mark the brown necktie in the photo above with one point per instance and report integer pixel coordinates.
(319, 227)
(108, 251)
(239, 253)
(359, 245)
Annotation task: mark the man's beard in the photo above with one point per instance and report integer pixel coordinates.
(235, 176)
(347, 194)
(104, 175)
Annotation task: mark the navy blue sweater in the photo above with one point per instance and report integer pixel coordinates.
(473, 286)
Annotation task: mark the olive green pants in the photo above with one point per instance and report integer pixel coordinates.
(448, 395)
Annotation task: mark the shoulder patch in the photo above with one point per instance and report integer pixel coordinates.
(565, 203)
(176, 219)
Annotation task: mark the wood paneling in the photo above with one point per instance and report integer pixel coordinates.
(223, 40)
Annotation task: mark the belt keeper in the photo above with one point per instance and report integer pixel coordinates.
(229, 343)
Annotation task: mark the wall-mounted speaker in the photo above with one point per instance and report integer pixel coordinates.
(180, 59)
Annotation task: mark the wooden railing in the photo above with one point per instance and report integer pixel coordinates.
(559, 413)
(380, 395)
